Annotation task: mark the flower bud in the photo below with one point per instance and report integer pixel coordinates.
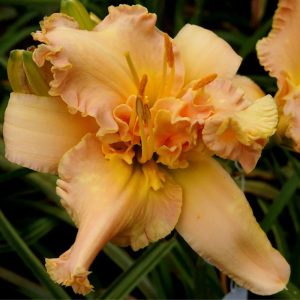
(15, 72)
(35, 77)
(24, 75)
(75, 9)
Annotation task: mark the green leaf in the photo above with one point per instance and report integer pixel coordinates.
(124, 261)
(282, 199)
(25, 286)
(32, 232)
(291, 292)
(14, 174)
(206, 281)
(29, 2)
(15, 38)
(19, 23)
(29, 259)
(233, 38)
(53, 211)
(7, 13)
(45, 183)
(128, 280)
(250, 43)
(183, 272)
(277, 232)
(261, 189)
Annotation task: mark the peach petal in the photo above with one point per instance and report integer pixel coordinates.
(204, 53)
(110, 200)
(217, 222)
(279, 52)
(171, 135)
(102, 79)
(224, 97)
(195, 106)
(251, 90)
(39, 130)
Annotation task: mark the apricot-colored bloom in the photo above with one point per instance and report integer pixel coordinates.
(279, 53)
(130, 124)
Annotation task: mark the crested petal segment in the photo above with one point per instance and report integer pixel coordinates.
(39, 130)
(217, 222)
(204, 53)
(258, 121)
(279, 52)
(110, 200)
(242, 135)
(119, 51)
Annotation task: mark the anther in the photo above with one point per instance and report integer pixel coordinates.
(204, 81)
(169, 51)
(142, 85)
(132, 69)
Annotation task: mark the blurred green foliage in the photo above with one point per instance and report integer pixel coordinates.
(33, 225)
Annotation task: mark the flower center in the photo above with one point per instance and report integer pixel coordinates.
(161, 128)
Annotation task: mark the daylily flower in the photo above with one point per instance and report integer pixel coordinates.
(279, 53)
(131, 122)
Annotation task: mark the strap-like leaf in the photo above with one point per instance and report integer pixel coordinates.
(15, 241)
(128, 280)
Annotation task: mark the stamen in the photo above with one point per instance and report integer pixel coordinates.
(169, 61)
(142, 86)
(204, 81)
(150, 128)
(164, 76)
(141, 118)
(169, 51)
(140, 108)
(141, 96)
(132, 69)
(144, 120)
